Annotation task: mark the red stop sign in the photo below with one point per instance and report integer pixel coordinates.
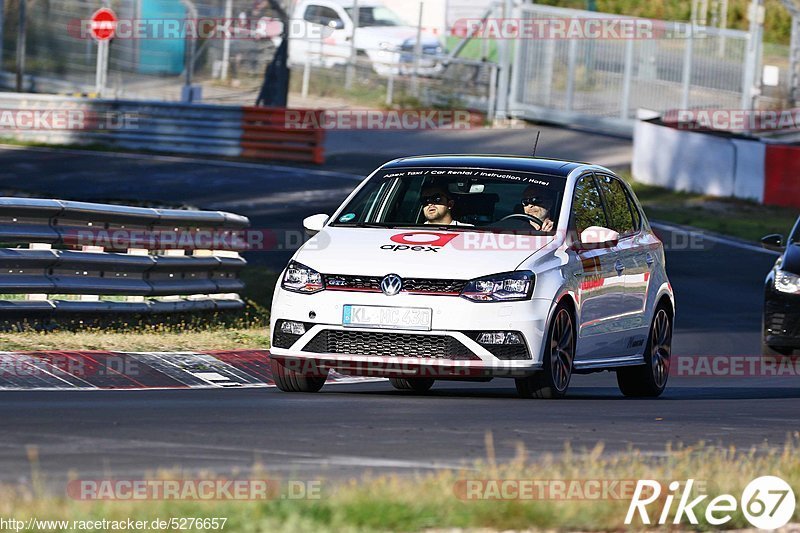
(103, 24)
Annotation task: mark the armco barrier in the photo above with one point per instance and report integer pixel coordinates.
(170, 127)
(98, 258)
(265, 136)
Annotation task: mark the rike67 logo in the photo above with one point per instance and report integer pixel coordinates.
(767, 502)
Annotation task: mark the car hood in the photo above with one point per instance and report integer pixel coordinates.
(417, 252)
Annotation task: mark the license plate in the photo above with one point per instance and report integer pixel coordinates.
(387, 317)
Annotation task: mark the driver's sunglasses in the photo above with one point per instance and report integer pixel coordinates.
(531, 200)
(435, 199)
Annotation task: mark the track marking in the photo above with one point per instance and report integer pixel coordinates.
(183, 159)
(713, 237)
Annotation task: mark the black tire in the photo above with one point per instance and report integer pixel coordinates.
(413, 384)
(553, 380)
(650, 379)
(775, 351)
(288, 380)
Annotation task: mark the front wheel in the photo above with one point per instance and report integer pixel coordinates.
(289, 380)
(413, 384)
(650, 379)
(553, 380)
(775, 351)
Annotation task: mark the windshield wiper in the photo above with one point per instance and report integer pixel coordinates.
(371, 225)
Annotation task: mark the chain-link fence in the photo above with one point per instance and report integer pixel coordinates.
(440, 82)
(659, 66)
(149, 54)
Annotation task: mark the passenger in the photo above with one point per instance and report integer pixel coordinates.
(437, 207)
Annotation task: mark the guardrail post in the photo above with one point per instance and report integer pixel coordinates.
(572, 59)
(91, 297)
(141, 252)
(306, 77)
(626, 80)
(686, 79)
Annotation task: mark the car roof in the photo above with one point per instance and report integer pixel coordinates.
(553, 167)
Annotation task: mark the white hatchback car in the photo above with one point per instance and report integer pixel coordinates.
(476, 267)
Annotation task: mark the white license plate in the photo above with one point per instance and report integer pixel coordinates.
(387, 317)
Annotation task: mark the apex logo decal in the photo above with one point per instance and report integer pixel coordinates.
(419, 241)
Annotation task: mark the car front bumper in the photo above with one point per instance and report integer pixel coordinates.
(448, 350)
(782, 320)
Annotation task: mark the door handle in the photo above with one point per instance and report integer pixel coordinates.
(649, 259)
(619, 267)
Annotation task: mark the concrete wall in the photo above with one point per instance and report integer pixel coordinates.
(698, 162)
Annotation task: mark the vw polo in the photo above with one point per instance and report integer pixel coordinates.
(473, 268)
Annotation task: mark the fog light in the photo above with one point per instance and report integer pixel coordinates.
(295, 328)
(513, 338)
(500, 337)
(491, 338)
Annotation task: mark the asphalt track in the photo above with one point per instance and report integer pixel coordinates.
(350, 428)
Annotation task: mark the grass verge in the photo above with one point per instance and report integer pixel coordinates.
(241, 330)
(439, 500)
(729, 216)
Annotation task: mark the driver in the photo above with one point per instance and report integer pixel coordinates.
(437, 206)
(538, 202)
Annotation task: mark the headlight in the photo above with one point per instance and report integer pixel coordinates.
(300, 278)
(786, 282)
(507, 287)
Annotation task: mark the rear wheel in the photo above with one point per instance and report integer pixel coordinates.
(289, 380)
(414, 384)
(553, 380)
(650, 379)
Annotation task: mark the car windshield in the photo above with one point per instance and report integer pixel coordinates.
(463, 199)
(376, 16)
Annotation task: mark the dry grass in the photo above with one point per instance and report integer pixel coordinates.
(144, 340)
(427, 501)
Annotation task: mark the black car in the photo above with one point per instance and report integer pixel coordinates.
(782, 295)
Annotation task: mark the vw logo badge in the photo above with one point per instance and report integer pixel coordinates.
(391, 284)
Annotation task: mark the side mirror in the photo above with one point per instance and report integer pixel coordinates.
(336, 24)
(598, 237)
(315, 223)
(773, 242)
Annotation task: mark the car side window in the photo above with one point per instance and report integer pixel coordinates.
(587, 207)
(320, 15)
(618, 205)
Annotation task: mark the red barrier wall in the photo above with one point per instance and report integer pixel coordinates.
(782, 175)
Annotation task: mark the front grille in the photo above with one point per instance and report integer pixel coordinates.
(384, 344)
(782, 317)
(450, 287)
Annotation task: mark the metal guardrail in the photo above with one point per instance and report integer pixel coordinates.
(169, 127)
(98, 258)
